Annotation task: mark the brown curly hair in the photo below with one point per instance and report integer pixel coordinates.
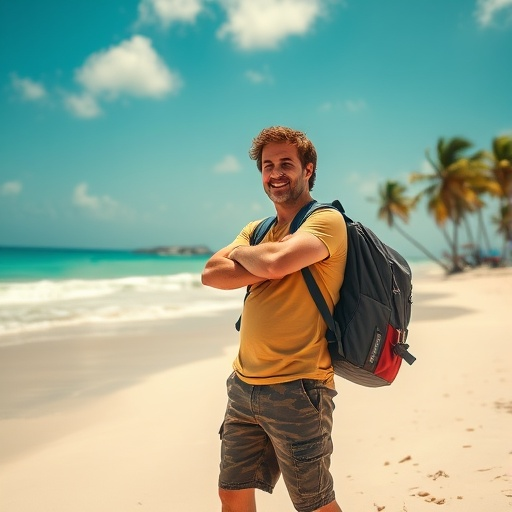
(305, 149)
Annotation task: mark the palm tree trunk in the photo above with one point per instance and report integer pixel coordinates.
(469, 231)
(419, 246)
(482, 230)
(449, 242)
(457, 267)
(474, 248)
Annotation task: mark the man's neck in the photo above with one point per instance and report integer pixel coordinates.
(286, 212)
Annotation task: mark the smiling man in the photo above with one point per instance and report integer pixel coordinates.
(280, 396)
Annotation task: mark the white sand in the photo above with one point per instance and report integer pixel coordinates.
(127, 421)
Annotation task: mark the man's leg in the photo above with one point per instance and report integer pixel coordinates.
(331, 507)
(297, 416)
(248, 459)
(242, 500)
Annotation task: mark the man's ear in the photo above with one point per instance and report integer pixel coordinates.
(309, 169)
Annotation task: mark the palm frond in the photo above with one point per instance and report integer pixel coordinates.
(502, 148)
(451, 150)
(418, 176)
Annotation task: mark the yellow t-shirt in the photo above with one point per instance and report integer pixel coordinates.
(282, 335)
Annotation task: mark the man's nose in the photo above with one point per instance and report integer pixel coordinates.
(277, 172)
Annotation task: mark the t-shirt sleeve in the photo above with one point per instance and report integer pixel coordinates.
(244, 237)
(329, 226)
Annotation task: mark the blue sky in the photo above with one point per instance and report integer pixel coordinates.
(127, 123)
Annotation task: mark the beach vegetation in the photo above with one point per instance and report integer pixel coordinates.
(501, 168)
(456, 186)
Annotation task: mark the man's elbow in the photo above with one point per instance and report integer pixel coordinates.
(214, 279)
(274, 270)
(208, 277)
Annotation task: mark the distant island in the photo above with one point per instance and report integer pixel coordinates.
(176, 250)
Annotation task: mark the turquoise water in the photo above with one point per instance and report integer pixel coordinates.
(45, 288)
(32, 264)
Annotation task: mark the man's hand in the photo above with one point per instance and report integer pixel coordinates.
(225, 273)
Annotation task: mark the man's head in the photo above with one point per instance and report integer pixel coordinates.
(281, 134)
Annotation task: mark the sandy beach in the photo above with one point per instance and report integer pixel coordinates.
(126, 417)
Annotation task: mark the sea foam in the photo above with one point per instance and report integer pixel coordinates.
(39, 305)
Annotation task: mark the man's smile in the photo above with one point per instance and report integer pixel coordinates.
(279, 184)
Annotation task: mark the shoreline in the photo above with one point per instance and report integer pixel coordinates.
(43, 308)
(128, 417)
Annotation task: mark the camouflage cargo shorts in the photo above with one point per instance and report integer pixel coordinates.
(279, 428)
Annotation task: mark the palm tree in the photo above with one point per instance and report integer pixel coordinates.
(483, 182)
(504, 223)
(452, 188)
(394, 203)
(501, 169)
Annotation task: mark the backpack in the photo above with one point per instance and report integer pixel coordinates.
(367, 331)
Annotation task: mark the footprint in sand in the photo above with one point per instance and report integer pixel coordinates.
(440, 473)
(431, 499)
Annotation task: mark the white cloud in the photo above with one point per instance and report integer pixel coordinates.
(259, 77)
(355, 105)
(27, 88)
(132, 68)
(169, 11)
(263, 24)
(487, 10)
(82, 105)
(228, 164)
(11, 188)
(366, 184)
(327, 106)
(347, 105)
(99, 206)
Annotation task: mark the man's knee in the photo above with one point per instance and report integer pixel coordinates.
(331, 507)
(242, 500)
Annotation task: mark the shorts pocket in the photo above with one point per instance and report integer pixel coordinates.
(308, 460)
(312, 392)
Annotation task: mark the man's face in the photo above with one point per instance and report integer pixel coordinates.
(284, 179)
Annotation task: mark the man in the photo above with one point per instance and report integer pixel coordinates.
(279, 413)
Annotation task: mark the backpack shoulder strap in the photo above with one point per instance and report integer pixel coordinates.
(312, 207)
(312, 285)
(322, 306)
(336, 204)
(261, 230)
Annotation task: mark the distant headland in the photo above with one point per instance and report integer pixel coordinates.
(176, 250)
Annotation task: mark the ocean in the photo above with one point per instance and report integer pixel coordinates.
(45, 288)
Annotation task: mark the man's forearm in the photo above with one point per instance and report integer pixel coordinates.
(227, 274)
(256, 259)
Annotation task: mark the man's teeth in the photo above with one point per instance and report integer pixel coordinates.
(279, 185)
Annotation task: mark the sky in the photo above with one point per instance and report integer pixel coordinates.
(127, 123)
